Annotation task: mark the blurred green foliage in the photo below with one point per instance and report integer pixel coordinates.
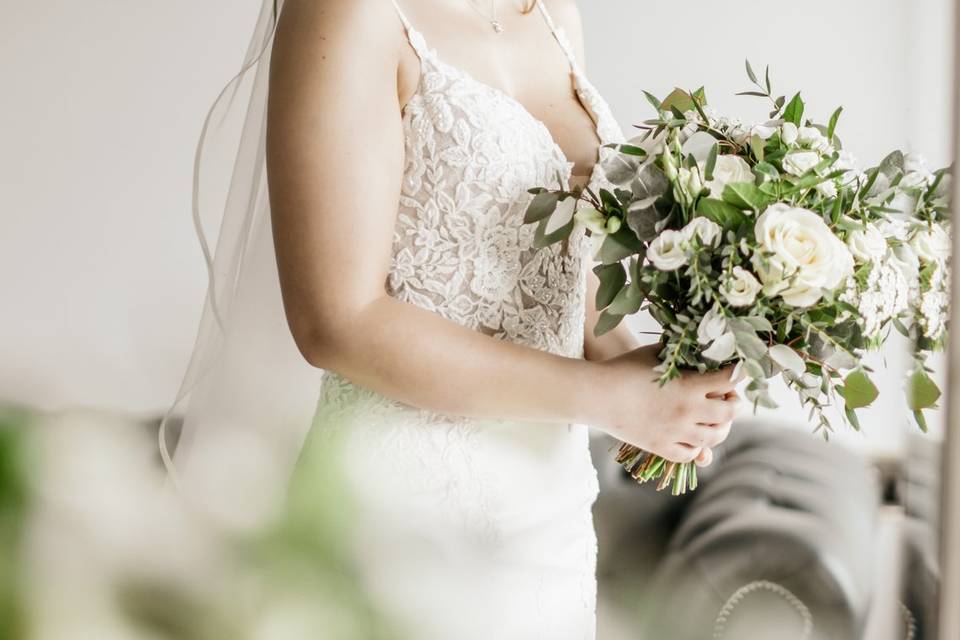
(13, 506)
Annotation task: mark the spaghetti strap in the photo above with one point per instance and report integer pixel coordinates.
(560, 36)
(413, 36)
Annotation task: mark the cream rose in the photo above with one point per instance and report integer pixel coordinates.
(705, 229)
(729, 169)
(667, 252)
(799, 256)
(799, 162)
(931, 244)
(741, 288)
(867, 245)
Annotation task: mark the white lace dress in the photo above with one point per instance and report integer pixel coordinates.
(470, 528)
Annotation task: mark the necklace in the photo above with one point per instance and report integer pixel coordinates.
(492, 18)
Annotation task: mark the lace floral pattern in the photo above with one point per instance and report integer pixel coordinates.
(460, 248)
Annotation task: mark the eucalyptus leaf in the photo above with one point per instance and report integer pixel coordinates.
(858, 390)
(619, 245)
(541, 206)
(750, 345)
(606, 322)
(627, 301)
(612, 278)
(923, 392)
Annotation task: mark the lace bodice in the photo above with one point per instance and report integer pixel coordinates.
(460, 248)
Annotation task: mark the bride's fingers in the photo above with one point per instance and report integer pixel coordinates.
(705, 458)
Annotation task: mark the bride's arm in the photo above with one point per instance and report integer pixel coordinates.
(335, 160)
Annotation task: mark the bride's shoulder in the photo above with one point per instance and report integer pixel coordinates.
(362, 22)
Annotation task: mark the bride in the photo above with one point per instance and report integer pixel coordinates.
(460, 370)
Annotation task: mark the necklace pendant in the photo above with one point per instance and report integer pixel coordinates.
(497, 26)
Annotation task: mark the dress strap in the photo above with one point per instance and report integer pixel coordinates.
(561, 37)
(413, 36)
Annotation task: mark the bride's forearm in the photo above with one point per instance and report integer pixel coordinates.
(423, 359)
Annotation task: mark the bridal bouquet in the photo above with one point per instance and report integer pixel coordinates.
(764, 246)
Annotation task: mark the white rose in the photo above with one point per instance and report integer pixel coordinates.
(741, 289)
(666, 252)
(931, 244)
(799, 256)
(800, 162)
(867, 245)
(706, 230)
(729, 169)
(812, 138)
(789, 133)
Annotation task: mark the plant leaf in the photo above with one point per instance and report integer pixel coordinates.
(606, 322)
(612, 278)
(794, 110)
(858, 390)
(923, 392)
(542, 205)
(723, 213)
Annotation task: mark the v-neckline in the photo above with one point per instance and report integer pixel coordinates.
(558, 150)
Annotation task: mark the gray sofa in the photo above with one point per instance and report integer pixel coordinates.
(777, 542)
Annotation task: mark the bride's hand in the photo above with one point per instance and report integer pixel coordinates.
(681, 421)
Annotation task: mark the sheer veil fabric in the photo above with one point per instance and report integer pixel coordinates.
(247, 396)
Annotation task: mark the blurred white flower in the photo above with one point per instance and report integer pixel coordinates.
(828, 189)
(667, 252)
(931, 244)
(741, 288)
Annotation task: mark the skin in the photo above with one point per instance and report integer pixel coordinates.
(341, 71)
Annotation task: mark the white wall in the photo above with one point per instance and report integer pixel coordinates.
(100, 275)
(101, 279)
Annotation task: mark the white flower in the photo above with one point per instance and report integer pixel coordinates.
(741, 288)
(765, 130)
(799, 256)
(713, 331)
(666, 252)
(812, 138)
(729, 168)
(722, 348)
(827, 189)
(789, 133)
(800, 162)
(591, 219)
(931, 244)
(689, 184)
(706, 230)
(868, 244)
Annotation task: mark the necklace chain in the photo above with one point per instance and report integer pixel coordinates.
(492, 18)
